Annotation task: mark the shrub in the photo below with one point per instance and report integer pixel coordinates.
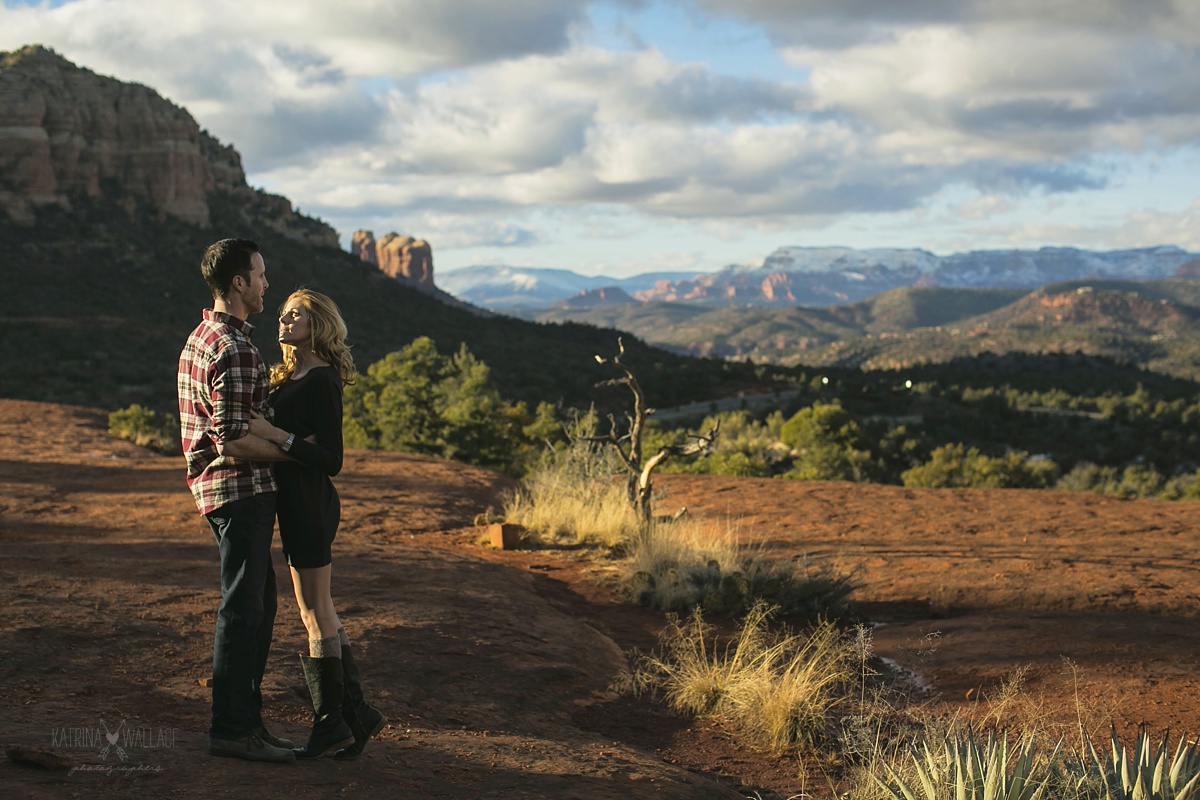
(829, 463)
(1150, 772)
(954, 465)
(746, 447)
(961, 766)
(1088, 477)
(1136, 480)
(676, 566)
(146, 428)
(741, 465)
(1182, 487)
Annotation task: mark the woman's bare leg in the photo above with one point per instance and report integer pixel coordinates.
(317, 611)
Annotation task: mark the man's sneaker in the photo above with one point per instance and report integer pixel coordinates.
(250, 747)
(274, 741)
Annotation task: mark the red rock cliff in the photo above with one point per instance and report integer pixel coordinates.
(66, 132)
(404, 258)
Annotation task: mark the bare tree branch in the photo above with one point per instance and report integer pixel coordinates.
(638, 482)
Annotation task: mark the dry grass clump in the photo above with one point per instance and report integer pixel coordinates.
(675, 566)
(572, 493)
(776, 688)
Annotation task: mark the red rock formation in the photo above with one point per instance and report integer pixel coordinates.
(594, 298)
(362, 245)
(1189, 270)
(777, 287)
(66, 132)
(404, 258)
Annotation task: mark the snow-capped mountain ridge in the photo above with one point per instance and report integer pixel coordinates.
(820, 276)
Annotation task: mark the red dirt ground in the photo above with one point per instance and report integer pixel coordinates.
(494, 666)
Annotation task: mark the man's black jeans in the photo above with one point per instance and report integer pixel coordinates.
(246, 616)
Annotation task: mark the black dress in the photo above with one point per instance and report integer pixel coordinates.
(307, 503)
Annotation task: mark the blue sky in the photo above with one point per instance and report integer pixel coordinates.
(636, 135)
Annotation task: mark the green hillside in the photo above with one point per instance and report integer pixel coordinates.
(779, 334)
(909, 308)
(1152, 324)
(100, 302)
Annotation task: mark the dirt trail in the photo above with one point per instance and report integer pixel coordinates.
(493, 667)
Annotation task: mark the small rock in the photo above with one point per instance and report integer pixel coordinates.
(505, 536)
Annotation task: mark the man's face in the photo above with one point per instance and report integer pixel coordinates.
(252, 290)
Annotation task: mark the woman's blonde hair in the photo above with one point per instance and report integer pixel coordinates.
(327, 332)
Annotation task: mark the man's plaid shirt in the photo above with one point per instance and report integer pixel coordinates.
(221, 379)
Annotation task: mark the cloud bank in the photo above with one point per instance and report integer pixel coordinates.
(489, 124)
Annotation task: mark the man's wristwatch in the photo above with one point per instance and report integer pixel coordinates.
(287, 445)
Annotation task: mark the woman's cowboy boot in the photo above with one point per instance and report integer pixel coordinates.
(364, 719)
(326, 684)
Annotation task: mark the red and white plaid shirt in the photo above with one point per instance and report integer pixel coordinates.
(221, 378)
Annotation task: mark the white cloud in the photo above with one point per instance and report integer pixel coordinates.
(1137, 229)
(280, 78)
(498, 128)
(819, 23)
(985, 206)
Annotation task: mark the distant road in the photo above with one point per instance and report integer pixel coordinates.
(764, 401)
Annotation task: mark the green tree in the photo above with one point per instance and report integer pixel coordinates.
(897, 452)
(417, 400)
(827, 444)
(476, 422)
(395, 406)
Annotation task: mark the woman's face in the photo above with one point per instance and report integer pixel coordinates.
(294, 324)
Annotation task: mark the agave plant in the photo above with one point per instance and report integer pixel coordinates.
(964, 768)
(1149, 772)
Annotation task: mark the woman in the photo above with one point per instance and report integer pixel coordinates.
(306, 395)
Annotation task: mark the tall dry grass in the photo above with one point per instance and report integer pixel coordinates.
(675, 566)
(776, 687)
(575, 493)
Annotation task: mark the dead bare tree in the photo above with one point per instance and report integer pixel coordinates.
(628, 445)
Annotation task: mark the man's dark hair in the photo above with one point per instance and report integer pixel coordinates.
(223, 260)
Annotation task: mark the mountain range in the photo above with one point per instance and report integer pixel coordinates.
(508, 289)
(810, 276)
(1151, 324)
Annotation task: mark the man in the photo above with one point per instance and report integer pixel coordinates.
(221, 381)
